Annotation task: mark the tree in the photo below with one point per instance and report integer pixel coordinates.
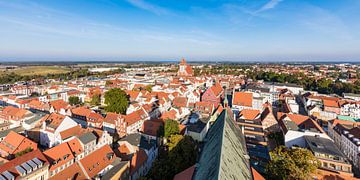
(18, 154)
(108, 83)
(116, 100)
(95, 100)
(74, 100)
(171, 128)
(297, 163)
(180, 155)
(148, 88)
(34, 94)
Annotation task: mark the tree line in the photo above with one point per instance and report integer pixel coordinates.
(323, 85)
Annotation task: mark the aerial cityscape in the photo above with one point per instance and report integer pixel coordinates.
(180, 90)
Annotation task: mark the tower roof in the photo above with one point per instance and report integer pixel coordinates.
(183, 62)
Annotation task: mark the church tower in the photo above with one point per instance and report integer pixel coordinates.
(184, 69)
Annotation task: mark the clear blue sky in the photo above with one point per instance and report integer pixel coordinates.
(172, 29)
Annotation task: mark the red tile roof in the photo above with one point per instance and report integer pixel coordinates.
(180, 102)
(59, 155)
(59, 104)
(151, 127)
(10, 166)
(72, 172)
(138, 160)
(12, 111)
(186, 174)
(243, 99)
(135, 116)
(98, 160)
(249, 114)
(14, 143)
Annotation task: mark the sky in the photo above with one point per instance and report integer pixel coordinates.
(211, 30)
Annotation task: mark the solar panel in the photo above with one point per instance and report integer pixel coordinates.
(26, 167)
(32, 164)
(2, 177)
(38, 162)
(8, 175)
(20, 170)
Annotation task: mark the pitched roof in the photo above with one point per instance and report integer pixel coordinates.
(10, 166)
(151, 127)
(111, 117)
(14, 112)
(81, 111)
(97, 160)
(216, 89)
(59, 155)
(302, 122)
(53, 120)
(135, 116)
(138, 159)
(243, 99)
(186, 174)
(59, 104)
(224, 153)
(72, 172)
(249, 114)
(15, 142)
(70, 132)
(75, 146)
(180, 101)
(331, 103)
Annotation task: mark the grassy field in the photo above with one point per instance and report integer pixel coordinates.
(36, 70)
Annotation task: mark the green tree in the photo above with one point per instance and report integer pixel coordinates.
(95, 100)
(18, 154)
(74, 100)
(108, 83)
(171, 128)
(180, 155)
(116, 100)
(297, 163)
(148, 88)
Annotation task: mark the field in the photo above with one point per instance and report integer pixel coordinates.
(36, 70)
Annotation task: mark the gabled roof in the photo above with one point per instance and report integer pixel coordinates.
(224, 154)
(14, 112)
(135, 116)
(72, 172)
(15, 142)
(180, 101)
(151, 127)
(10, 166)
(249, 114)
(216, 89)
(111, 117)
(331, 103)
(138, 160)
(186, 174)
(53, 120)
(59, 155)
(81, 111)
(98, 160)
(243, 99)
(301, 121)
(59, 104)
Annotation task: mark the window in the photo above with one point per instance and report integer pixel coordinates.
(249, 128)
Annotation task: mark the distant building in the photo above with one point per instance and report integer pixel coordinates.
(184, 69)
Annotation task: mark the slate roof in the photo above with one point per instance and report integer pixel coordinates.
(139, 140)
(224, 154)
(323, 146)
(87, 137)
